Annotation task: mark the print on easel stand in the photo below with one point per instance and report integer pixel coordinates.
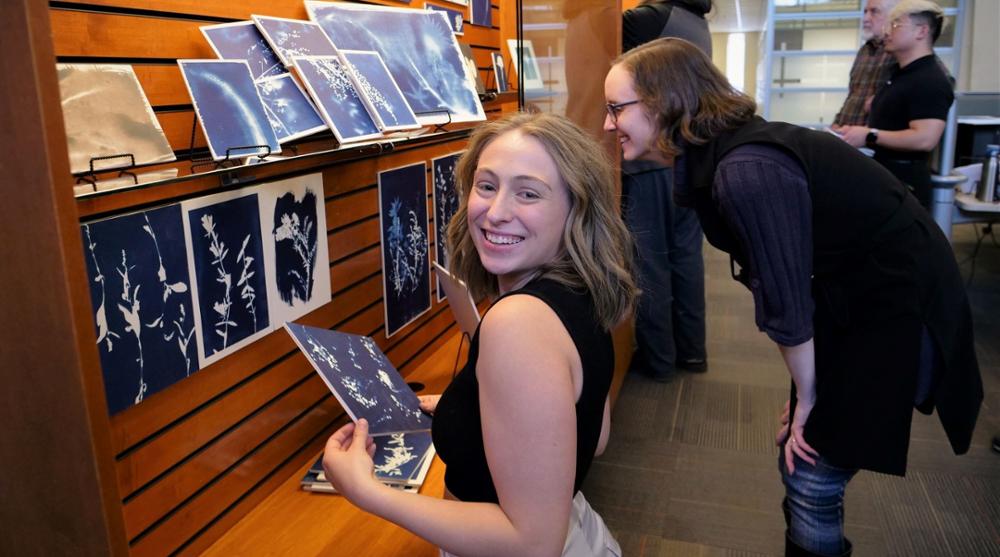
(296, 260)
(293, 37)
(227, 265)
(241, 40)
(330, 85)
(379, 92)
(289, 110)
(404, 229)
(143, 312)
(362, 378)
(445, 207)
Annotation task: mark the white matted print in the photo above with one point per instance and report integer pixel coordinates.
(406, 285)
(229, 108)
(226, 261)
(531, 75)
(456, 18)
(296, 259)
(293, 37)
(106, 113)
(378, 90)
(419, 48)
(445, 206)
(459, 2)
(289, 109)
(330, 85)
(241, 40)
(362, 378)
(499, 71)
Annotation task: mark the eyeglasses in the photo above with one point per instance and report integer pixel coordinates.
(615, 109)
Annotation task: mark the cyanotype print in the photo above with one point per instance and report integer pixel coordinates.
(143, 313)
(455, 17)
(106, 113)
(398, 456)
(405, 263)
(445, 207)
(227, 260)
(362, 378)
(296, 259)
(530, 73)
(241, 40)
(292, 37)
(229, 108)
(379, 92)
(499, 72)
(330, 86)
(481, 13)
(418, 47)
(289, 110)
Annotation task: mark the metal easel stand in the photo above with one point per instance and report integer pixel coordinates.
(437, 127)
(90, 177)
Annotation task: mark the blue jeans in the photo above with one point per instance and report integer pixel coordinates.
(814, 505)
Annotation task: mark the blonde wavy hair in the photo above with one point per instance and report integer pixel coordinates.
(596, 247)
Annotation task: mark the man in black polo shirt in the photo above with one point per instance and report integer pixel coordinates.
(909, 110)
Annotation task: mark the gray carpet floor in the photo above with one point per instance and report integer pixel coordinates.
(691, 465)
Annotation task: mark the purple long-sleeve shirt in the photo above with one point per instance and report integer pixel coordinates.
(762, 194)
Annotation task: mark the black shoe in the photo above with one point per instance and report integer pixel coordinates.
(793, 549)
(694, 365)
(996, 443)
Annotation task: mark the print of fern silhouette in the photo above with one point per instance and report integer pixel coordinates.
(406, 250)
(219, 252)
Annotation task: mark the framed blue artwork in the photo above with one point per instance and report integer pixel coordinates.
(143, 312)
(418, 47)
(330, 85)
(481, 13)
(406, 292)
(362, 378)
(293, 37)
(229, 108)
(456, 18)
(378, 90)
(530, 73)
(296, 259)
(289, 110)
(226, 257)
(445, 207)
(499, 71)
(241, 40)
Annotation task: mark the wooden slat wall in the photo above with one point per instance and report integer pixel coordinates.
(193, 459)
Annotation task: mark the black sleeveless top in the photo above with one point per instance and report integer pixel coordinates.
(457, 430)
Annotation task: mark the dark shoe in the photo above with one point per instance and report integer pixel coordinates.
(694, 365)
(793, 549)
(996, 443)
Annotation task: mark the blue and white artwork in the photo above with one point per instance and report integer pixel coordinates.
(481, 13)
(229, 108)
(399, 456)
(289, 110)
(296, 259)
(456, 18)
(362, 378)
(406, 281)
(342, 109)
(531, 75)
(419, 49)
(241, 40)
(226, 258)
(293, 37)
(143, 313)
(445, 207)
(378, 90)
(499, 71)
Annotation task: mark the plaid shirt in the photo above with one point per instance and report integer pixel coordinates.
(870, 68)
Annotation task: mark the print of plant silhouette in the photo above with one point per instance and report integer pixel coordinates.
(298, 232)
(407, 249)
(223, 307)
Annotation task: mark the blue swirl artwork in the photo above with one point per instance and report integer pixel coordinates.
(242, 40)
(138, 273)
(379, 91)
(229, 275)
(405, 262)
(292, 37)
(229, 108)
(419, 48)
(337, 99)
(455, 17)
(290, 112)
(362, 378)
(445, 207)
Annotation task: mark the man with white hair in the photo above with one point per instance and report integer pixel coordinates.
(909, 110)
(871, 65)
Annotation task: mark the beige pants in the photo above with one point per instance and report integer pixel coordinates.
(588, 535)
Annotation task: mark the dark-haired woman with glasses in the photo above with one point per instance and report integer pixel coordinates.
(850, 277)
